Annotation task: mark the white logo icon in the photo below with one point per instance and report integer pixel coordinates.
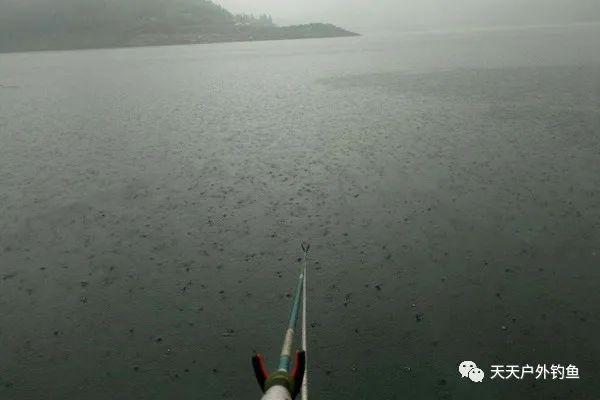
(468, 369)
(476, 375)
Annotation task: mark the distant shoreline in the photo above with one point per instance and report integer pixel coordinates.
(77, 42)
(134, 46)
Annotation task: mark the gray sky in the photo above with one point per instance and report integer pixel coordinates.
(420, 14)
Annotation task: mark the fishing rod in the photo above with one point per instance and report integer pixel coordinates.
(286, 384)
(304, 387)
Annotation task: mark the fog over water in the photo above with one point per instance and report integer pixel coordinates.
(386, 15)
(153, 201)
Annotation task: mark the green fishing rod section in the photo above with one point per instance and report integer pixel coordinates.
(284, 383)
(285, 359)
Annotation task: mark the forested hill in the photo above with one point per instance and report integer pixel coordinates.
(71, 24)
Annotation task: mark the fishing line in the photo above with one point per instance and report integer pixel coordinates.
(304, 388)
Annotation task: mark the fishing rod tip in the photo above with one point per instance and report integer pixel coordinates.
(305, 245)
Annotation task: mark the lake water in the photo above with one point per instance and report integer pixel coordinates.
(153, 201)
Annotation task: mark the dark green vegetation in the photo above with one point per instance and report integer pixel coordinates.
(72, 24)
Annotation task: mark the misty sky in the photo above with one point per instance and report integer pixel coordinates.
(420, 14)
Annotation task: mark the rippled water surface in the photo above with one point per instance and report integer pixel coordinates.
(152, 203)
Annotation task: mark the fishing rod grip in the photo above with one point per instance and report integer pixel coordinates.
(277, 393)
(289, 382)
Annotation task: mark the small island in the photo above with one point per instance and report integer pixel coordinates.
(33, 25)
